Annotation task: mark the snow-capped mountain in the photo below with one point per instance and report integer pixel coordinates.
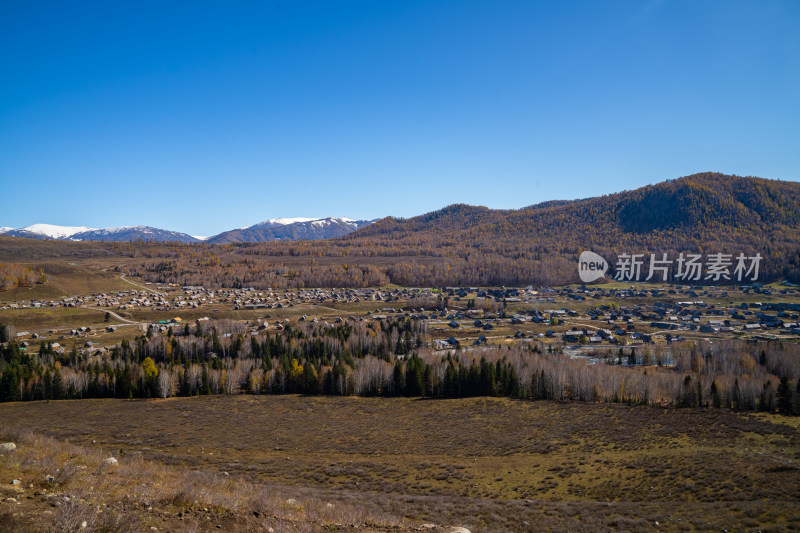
(83, 233)
(284, 221)
(275, 229)
(46, 231)
(132, 233)
(292, 229)
(320, 222)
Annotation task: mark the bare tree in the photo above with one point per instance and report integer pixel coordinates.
(166, 384)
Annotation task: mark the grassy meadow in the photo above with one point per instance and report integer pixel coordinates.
(487, 464)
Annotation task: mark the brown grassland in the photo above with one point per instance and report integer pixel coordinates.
(488, 464)
(66, 279)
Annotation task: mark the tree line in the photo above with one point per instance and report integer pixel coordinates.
(390, 358)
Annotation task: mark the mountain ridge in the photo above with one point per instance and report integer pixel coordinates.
(688, 202)
(692, 207)
(291, 229)
(706, 213)
(276, 229)
(83, 233)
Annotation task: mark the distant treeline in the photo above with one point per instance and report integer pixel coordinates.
(387, 358)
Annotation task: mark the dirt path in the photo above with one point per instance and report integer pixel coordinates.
(588, 326)
(126, 280)
(115, 315)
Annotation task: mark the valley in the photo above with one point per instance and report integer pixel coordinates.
(433, 373)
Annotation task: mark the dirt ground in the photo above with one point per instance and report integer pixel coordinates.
(487, 464)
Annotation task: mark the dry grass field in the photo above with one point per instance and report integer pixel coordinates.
(43, 319)
(69, 278)
(487, 464)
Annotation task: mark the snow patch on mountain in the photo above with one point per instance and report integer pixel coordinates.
(120, 229)
(286, 221)
(283, 221)
(55, 232)
(275, 229)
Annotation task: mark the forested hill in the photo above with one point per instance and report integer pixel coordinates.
(702, 205)
(701, 213)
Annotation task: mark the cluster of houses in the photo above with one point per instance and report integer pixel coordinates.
(502, 294)
(639, 314)
(120, 300)
(252, 299)
(748, 318)
(670, 320)
(599, 292)
(170, 298)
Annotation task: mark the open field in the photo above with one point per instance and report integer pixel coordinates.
(485, 463)
(69, 278)
(45, 318)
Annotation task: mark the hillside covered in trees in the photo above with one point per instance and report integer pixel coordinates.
(706, 208)
(700, 214)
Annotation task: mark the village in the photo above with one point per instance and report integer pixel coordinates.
(575, 319)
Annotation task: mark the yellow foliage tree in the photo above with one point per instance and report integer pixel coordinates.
(223, 380)
(149, 367)
(296, 370)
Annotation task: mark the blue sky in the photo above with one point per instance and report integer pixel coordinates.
(204, 116)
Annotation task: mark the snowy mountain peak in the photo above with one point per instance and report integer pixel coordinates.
(286, 221)
(291, 229)
(121, 229)
(83, 233)
(132, 233)
(55, 232)
(275, 229)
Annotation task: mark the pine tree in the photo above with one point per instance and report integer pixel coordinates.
(716, 397)
(205, 383)
(785, 402)
(310, 383)
(9, 384)
(58, 385)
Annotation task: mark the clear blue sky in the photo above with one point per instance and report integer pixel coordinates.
(204, 116)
